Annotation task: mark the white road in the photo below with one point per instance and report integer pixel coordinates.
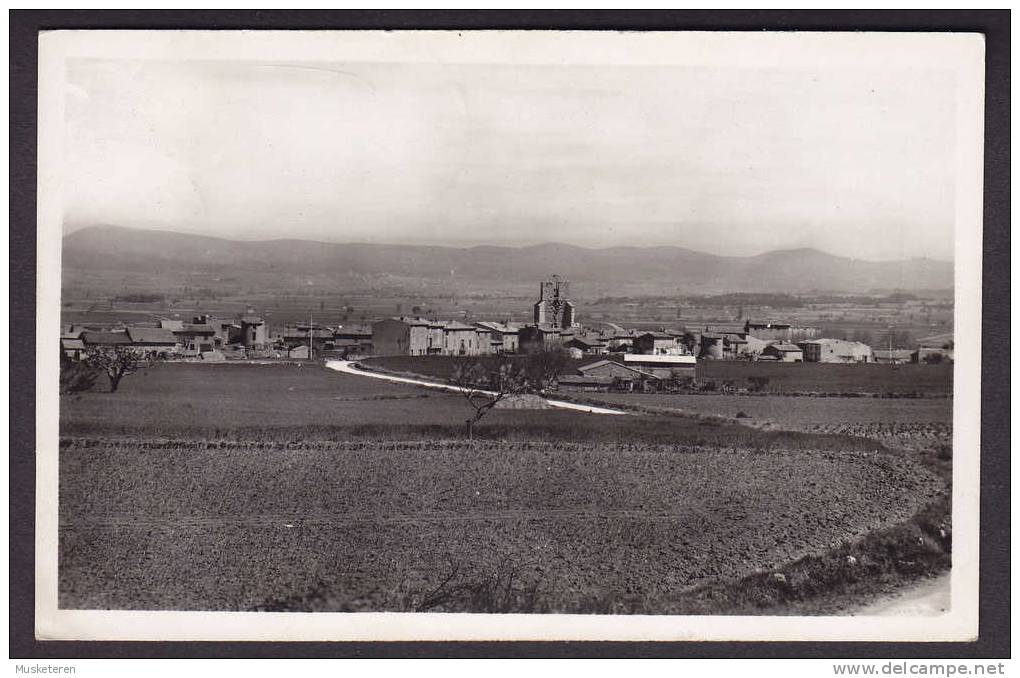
(347, 367)
(923, 599)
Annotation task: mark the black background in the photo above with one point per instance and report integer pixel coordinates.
(995, 463)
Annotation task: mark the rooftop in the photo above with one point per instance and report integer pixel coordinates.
(659, 359)
(105, 338)
(151, 335)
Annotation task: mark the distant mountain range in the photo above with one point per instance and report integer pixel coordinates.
(116, 249)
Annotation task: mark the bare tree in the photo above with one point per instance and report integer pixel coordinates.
(487, 383)
(484, 388)
(116, 361)
(542, 367)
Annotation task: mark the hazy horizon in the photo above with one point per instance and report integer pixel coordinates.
(730, 161)
(468, 245)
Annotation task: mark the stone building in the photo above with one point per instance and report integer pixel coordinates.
(836, 351)
(554, 307)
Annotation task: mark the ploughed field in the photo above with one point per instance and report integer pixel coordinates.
(237, 487)
(374, 525)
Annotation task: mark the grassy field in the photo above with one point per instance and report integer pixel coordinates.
(906, 423)
(833, 378)
(240, 487)
(925, 380)
(286, 404)
(795, 411)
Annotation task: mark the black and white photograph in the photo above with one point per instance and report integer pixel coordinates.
(508, 335)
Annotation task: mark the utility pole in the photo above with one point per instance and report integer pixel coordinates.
(310, 331)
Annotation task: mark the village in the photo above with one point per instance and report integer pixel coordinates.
(612, 357)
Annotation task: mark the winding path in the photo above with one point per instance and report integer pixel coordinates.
(347, 367)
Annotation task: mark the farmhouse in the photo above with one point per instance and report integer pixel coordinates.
(461, 339)
(320, 336)
(155, 339)
(774, 331)
(605, 373)
(418, 336)
(783, 352)
(539, 338)
(502, 336)
(356, 338)
(836, 351)
(892, 356)
(583, 382)
(403, 336)
(611, 369)
(662, 366)
(72, 347)
(621, 340)
(196, 338)
(105, 339)
(585, 345)
(658, 343)
(934, 349)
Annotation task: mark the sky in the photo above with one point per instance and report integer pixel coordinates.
(733, 161)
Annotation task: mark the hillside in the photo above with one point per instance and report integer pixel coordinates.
(111, 250)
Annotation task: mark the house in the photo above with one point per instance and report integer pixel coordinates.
(361, 333)
(105, 339)
(320, 336)
(503, 337)
(662, 366)
(153, 339)
(353, 338)
(172, 325)
(836, 351)
(658, 343)
(892, 356)
(419, 336)
(724, 342)
(620, 340)
(617, 374)
(612, 369)
(196, 338)
(583, 382)
(783, 352)
(933, 350)
(72, 347)
(403, 336)
(462, 339)
(586, 345)
(539, 338)
(784, 332)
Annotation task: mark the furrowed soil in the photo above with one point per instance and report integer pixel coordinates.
(237, 487)
(379, 525)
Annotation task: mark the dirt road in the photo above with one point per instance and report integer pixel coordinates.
(347, 367)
